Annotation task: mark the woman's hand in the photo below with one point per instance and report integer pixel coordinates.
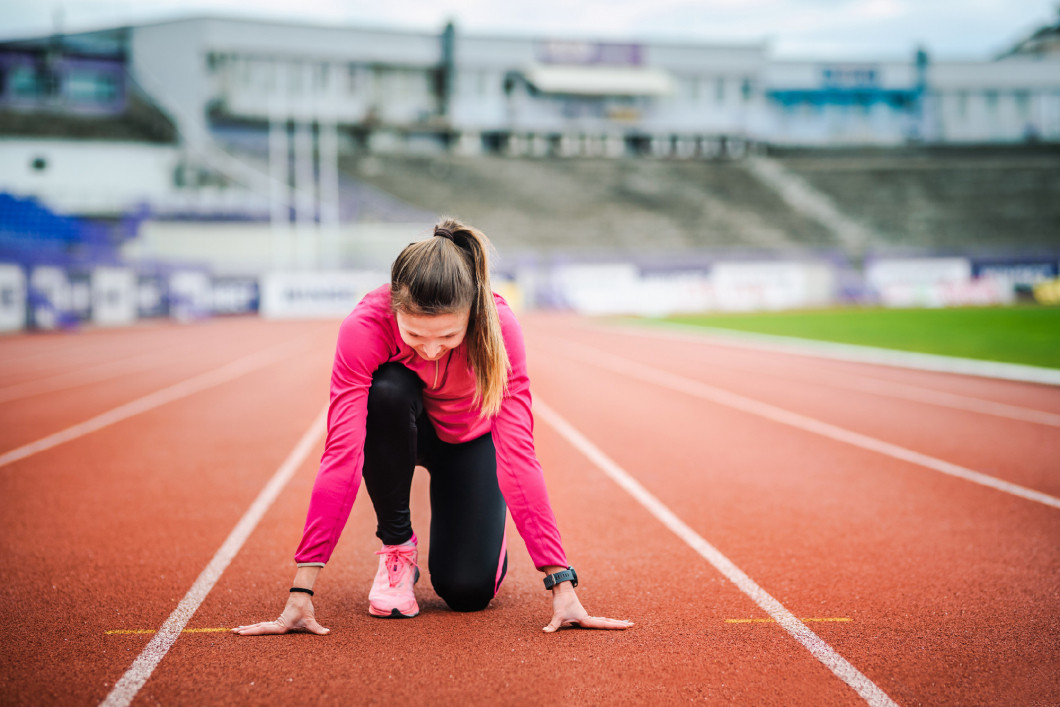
(297, 616)
(567, 611)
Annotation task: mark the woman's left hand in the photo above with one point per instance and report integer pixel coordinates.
(567, 611)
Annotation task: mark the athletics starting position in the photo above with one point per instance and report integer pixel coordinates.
(431, 370)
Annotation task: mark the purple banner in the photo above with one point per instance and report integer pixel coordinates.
(571, 52)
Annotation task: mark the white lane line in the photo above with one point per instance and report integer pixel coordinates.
(823, 652)
(85, 375)
(892, 389)
(955, 401)
(134, 678)
(843, 352)
(231, 371)
(655, 376)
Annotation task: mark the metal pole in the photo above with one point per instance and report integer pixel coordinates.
(329, 189)
(279, 191)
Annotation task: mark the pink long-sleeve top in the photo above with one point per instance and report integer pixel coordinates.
(368, 338)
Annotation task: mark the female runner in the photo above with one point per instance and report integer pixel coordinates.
(431, 370)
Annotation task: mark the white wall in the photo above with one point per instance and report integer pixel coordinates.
(253, 248)
(87, 177)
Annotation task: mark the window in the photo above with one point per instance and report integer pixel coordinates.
(320, 77)
(268, 75)
(747, 89)
(719, 90)
(1023, 104)
(294, 76)
(352, 78)
(92, 87)
(863, 101)
(25, 83)
(962, 104)
(991, 100)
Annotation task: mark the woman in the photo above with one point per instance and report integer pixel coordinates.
(431, 370)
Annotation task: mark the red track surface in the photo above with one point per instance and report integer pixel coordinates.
(951, 588)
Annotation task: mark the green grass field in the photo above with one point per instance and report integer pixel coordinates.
(1029, 335)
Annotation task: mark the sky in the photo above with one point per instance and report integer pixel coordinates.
(857, 29)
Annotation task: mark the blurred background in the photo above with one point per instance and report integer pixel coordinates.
(195, 160)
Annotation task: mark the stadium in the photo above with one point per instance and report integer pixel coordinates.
(791, 326)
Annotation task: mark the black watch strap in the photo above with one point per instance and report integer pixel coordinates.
(567, 575)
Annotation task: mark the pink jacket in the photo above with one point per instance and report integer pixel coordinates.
(369, 338)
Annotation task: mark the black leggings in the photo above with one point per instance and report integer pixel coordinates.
(468, 557)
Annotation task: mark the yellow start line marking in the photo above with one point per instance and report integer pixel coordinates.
(151, 630)
(838, 619)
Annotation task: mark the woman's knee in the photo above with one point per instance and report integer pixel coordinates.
(465, 594)
(394, 389)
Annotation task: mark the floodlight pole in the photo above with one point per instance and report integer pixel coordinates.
(279, 187)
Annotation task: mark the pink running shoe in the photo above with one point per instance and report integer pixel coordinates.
(392, 593)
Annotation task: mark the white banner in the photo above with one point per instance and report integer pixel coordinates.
(981, 292)
(750, 286)
(732, 286)
(310, 295)
(113, 296)
(883, 273)
(51, 303)
(12, 298)
(190, 295)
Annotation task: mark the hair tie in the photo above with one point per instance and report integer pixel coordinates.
(444, 233)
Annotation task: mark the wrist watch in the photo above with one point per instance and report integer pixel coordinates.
(567, 575)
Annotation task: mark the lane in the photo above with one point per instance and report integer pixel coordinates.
(129, 685)
(947, 587)
(109, 531)
(1033, 396)
(779, 614)
(69, 379)
(950, 586)
(37, 355)
(963, 437)
(26, 420)
(681, 648)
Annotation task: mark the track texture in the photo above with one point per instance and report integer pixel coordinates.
(949, 589)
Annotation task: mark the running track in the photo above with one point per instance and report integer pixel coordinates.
(909, 583)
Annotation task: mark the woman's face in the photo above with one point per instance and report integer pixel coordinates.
(432, 335)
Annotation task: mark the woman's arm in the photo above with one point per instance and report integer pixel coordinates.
(522, 483)
(362, 346)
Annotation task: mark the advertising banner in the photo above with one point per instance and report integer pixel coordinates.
(884, 272)
(307, 294)
(749, 286)
(50, 298)
(113, 296)
(12, 297)
(190, 295)
(1017, 272)
(152, 296)
(80, 295)
(235, 295)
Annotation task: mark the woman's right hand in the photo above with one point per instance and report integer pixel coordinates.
(297, 616)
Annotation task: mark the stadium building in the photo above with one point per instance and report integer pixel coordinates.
(200, 98)
(205, 142)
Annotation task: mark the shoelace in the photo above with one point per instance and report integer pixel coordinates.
(395, 556)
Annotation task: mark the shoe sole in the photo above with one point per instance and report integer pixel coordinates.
(394, 614)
